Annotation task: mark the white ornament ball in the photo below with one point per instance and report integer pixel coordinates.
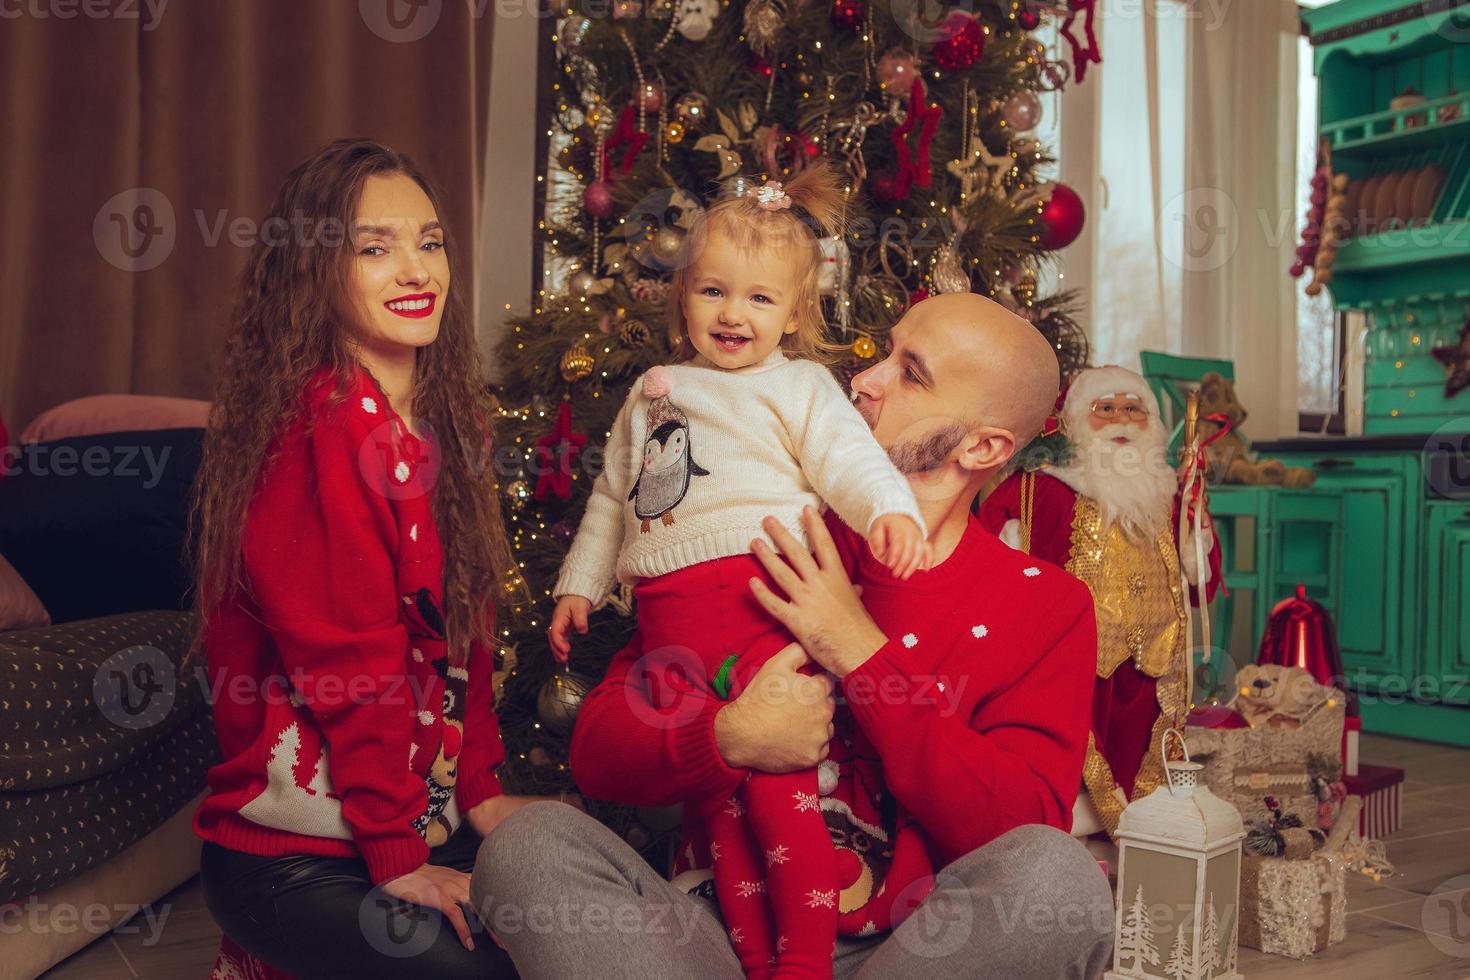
(1023, 111)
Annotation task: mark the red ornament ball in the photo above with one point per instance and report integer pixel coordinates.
(884, 189)
(1028, 19)
(650, 96)
(961, 43)
(1061, 217)
(758, 65)
(897, 71)
(598, 199)
(849, 14)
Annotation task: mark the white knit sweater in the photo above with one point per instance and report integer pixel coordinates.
(767, 439)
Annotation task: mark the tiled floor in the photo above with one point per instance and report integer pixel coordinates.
(1386, 921)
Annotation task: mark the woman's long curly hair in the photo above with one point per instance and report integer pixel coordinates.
(294, 301)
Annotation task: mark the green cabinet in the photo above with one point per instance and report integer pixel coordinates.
(1447, 578)
(1377, 572)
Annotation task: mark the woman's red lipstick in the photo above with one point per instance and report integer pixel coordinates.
(418, 305)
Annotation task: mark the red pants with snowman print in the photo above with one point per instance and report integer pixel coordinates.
(774, 864)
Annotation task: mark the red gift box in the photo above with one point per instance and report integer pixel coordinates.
(1381, 788)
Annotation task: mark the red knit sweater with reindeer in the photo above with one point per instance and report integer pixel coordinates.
(343, 728)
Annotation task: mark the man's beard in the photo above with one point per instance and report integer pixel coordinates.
(1133, 484)
(928, 453)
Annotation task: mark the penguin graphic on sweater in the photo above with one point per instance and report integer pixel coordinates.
(668, 463)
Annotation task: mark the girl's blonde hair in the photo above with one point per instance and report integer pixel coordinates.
(816, 211)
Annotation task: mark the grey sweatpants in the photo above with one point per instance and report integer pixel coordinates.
(568, 898)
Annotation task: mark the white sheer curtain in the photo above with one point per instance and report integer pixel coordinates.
(1194, 124)
(1241, 165)
(1136, 289)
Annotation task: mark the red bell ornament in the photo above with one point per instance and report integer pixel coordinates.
(1299, 633)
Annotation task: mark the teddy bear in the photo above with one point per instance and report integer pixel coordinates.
(1230, 458)
(1273, 696)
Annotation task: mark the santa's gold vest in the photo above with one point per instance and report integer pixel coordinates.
(1141, 612)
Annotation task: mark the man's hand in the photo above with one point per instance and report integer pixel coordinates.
(571, 611)
(487, 814)
(823, 611)
(782, 720)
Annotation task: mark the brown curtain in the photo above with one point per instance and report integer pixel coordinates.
(131, 144)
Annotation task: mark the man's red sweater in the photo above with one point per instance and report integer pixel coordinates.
(344, 730)
(976, 710)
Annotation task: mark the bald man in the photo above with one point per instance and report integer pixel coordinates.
(946, 778)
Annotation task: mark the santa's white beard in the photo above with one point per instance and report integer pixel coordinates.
(1132, 483)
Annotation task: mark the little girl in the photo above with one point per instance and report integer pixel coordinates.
(747, 424)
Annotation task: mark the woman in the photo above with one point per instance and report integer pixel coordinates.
(349, 550)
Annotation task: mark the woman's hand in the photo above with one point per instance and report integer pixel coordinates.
(486, 816)
(436, 887)
(571, 611)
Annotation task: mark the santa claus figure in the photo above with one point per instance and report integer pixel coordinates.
(1108, 513)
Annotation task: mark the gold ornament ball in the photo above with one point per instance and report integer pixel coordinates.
(667, 242)
(864, 347)
(674, 131)
(559, 701)
(576, 363)
(518, 492)
(691, 109)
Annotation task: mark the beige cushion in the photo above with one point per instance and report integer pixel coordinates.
(97, 414)
(19, 607)
(106, 895)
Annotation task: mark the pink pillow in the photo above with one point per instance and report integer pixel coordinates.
(19, 607)
(97, 414)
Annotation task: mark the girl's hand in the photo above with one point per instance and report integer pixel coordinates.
(436, 887)
(571, 611)
(486, 815)
(898, 543)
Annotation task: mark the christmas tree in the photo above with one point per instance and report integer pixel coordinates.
(1181, 961)
(661, 108)
(1136, 937)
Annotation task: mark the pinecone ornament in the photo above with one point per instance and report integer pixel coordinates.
(634, 334)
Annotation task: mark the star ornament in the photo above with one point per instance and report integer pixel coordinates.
(556, 454)
(1456, 360)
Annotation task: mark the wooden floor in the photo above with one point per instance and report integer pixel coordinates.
(1387, 921)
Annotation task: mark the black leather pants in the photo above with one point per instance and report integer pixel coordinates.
(320, 918)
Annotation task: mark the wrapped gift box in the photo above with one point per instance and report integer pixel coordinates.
(1292, 907)
(1381, 788)
(1245, 765)
(1296, 905)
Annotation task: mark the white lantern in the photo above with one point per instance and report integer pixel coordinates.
(1178, 881)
